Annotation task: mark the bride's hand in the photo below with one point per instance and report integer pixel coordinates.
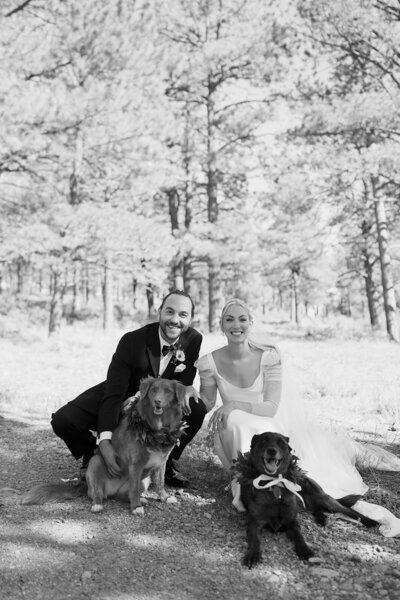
(219, 417)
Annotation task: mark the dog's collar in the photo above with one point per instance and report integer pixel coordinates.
(263, 482)
(147, 436)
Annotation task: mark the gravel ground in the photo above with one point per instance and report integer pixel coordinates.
(189, 550)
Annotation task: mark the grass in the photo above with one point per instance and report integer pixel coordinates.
(353, 383)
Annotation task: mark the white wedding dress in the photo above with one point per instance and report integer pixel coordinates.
(327, 457)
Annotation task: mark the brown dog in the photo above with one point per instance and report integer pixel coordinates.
(149, 428)
(143, 440)
(273, 488)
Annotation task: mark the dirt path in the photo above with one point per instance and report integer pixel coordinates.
(191, 550)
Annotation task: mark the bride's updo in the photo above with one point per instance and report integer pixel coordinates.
(235, 302)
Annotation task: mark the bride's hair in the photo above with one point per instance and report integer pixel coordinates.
(235, 302)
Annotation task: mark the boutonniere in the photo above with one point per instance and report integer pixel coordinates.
(178, 359)
(180, 355)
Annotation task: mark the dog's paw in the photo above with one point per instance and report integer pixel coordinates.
(139, 511)
(96, 508)
(169, 499)
(251, 558)
(321, 518)
(305, 553)
(238, 504)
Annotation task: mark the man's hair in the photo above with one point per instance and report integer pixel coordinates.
(177, 293)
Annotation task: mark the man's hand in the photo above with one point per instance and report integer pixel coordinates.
(190, 393)
(110, 458)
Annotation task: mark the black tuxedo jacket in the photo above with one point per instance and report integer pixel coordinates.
(137, 356)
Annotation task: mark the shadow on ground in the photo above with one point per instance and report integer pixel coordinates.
(187, 551)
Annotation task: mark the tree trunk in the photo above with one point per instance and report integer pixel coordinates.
(214, 279)
(294, 295)
(134, 290)
(180, 201)
(40, 281)
(177, 262)
(74, 306)
(212, 173)
(108, 311)
(371, 291)
(189, 280)
(173, 207)
(178, 281)
(348, 302)
(56, 301)
(369, 261)
(187, 157)
(86, 284)
(75, 176)
(150, 300)
(280, 296)
(214, 294)
(20, 275)
(177, 274)
(389, 298)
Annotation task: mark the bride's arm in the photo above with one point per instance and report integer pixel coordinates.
(208, 384)
(271, 366)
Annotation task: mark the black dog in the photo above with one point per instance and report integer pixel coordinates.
(273, 488)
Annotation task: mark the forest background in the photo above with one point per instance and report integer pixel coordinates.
(229, 147)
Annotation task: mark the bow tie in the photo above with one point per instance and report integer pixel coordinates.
(166, 349)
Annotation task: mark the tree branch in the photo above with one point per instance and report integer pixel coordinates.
(350, 49)
(18, 8)
(391, 11)
(47, 72)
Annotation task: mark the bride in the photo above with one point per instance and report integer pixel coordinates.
(256, 398)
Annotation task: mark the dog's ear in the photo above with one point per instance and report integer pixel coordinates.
(180, 391)
(254, 440)
(145, 385)
(287, 442)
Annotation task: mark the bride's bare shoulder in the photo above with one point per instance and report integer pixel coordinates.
(219, 355)
(219, 352)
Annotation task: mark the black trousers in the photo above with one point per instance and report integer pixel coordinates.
(74, 425)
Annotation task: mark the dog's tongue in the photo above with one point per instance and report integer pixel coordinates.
(271, 466)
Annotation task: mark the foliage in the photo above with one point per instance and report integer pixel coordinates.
(230, 146)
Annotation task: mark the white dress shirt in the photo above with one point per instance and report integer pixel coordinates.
(164, 360)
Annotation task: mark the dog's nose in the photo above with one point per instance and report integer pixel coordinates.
(271, 451)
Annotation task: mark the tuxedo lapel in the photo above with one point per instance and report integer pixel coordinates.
(168, 371)
(153, 348)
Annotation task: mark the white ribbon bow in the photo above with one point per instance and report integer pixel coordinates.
(280, 481)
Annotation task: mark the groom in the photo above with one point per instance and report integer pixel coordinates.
(168, 349)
